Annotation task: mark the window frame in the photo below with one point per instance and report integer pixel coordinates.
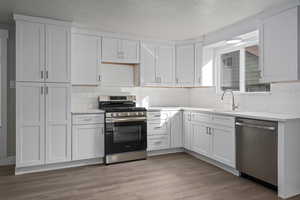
(241, 47)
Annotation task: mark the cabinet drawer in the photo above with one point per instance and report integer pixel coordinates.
(157, 116)
(223, 120)
(158, 142)
(201, 117)
(88, 119)
(163, 125)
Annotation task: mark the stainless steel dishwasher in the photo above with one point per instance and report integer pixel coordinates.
(257, 149)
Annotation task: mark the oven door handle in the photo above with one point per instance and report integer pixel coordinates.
(132, 119)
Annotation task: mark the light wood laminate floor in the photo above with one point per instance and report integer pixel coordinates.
(166, 177)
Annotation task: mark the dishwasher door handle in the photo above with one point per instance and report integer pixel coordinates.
(270, 128)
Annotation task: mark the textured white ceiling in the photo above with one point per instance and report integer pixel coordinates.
(162, 19)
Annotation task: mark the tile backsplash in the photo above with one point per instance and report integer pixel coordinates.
(283, 98)
(86, 97)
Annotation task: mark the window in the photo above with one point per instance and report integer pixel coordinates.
(238, 65)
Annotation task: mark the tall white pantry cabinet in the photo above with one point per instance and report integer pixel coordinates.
(43, 91)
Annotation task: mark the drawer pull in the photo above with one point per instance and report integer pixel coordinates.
(159, 127)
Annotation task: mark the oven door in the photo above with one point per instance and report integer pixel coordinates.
(125, 135)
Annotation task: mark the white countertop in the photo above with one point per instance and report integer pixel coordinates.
(246, 114)
(87, 111)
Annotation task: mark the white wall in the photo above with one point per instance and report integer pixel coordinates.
(86, 97)
(283, 98)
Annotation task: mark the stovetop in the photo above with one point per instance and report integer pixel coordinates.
(124, 109)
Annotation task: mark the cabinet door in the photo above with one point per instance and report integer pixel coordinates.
(165, 64)
(110, 49)
(185, 64)
(280, 47)
(58, 122)
(187, 131)
(204, 73)
(148, 64)
(223, 145)
(200, 141)
(176, 129)
(30, 53)
(86, 51)
(30, 117)
(58, 58)
(87, 142)
(130, 51)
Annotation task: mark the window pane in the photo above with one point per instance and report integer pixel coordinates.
(230, 71)
(253, 83)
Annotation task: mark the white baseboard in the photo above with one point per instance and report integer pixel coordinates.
(8, 161)
(165, 151)
(215, 163)
(50, 167)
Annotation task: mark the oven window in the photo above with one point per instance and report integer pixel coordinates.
(124, 134)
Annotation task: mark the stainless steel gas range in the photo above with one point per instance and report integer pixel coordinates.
(125, 129)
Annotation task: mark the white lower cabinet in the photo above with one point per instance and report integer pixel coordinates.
(210, 135)
(58, 123)
(187, 131)
(200, 139)
(30, 124)
(223, 145)
(88, 141)
(87, 136)
(43, 123)
(176, 129)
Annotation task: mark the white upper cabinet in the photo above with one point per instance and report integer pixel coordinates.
(148, 64)
(166, 64)
(110, 49)
(58, 122)
(30, 51)
(86, 59)
(185, 65)
(117, 50)
(157, 64)
(42, 50)
(280, 42)
(58, 62)
(204, 73)
(130, 50)
(30, 124)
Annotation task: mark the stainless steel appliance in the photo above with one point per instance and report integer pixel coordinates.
(257, 149)
(125, 129)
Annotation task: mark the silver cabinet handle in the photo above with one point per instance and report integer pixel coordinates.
(99, 78)
(42, 90)
(42, 74)
(46, 90)
(47, 74)
(270, 128)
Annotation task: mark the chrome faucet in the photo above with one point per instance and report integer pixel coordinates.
(234, 107)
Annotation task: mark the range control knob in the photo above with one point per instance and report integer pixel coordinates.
(128, 114)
